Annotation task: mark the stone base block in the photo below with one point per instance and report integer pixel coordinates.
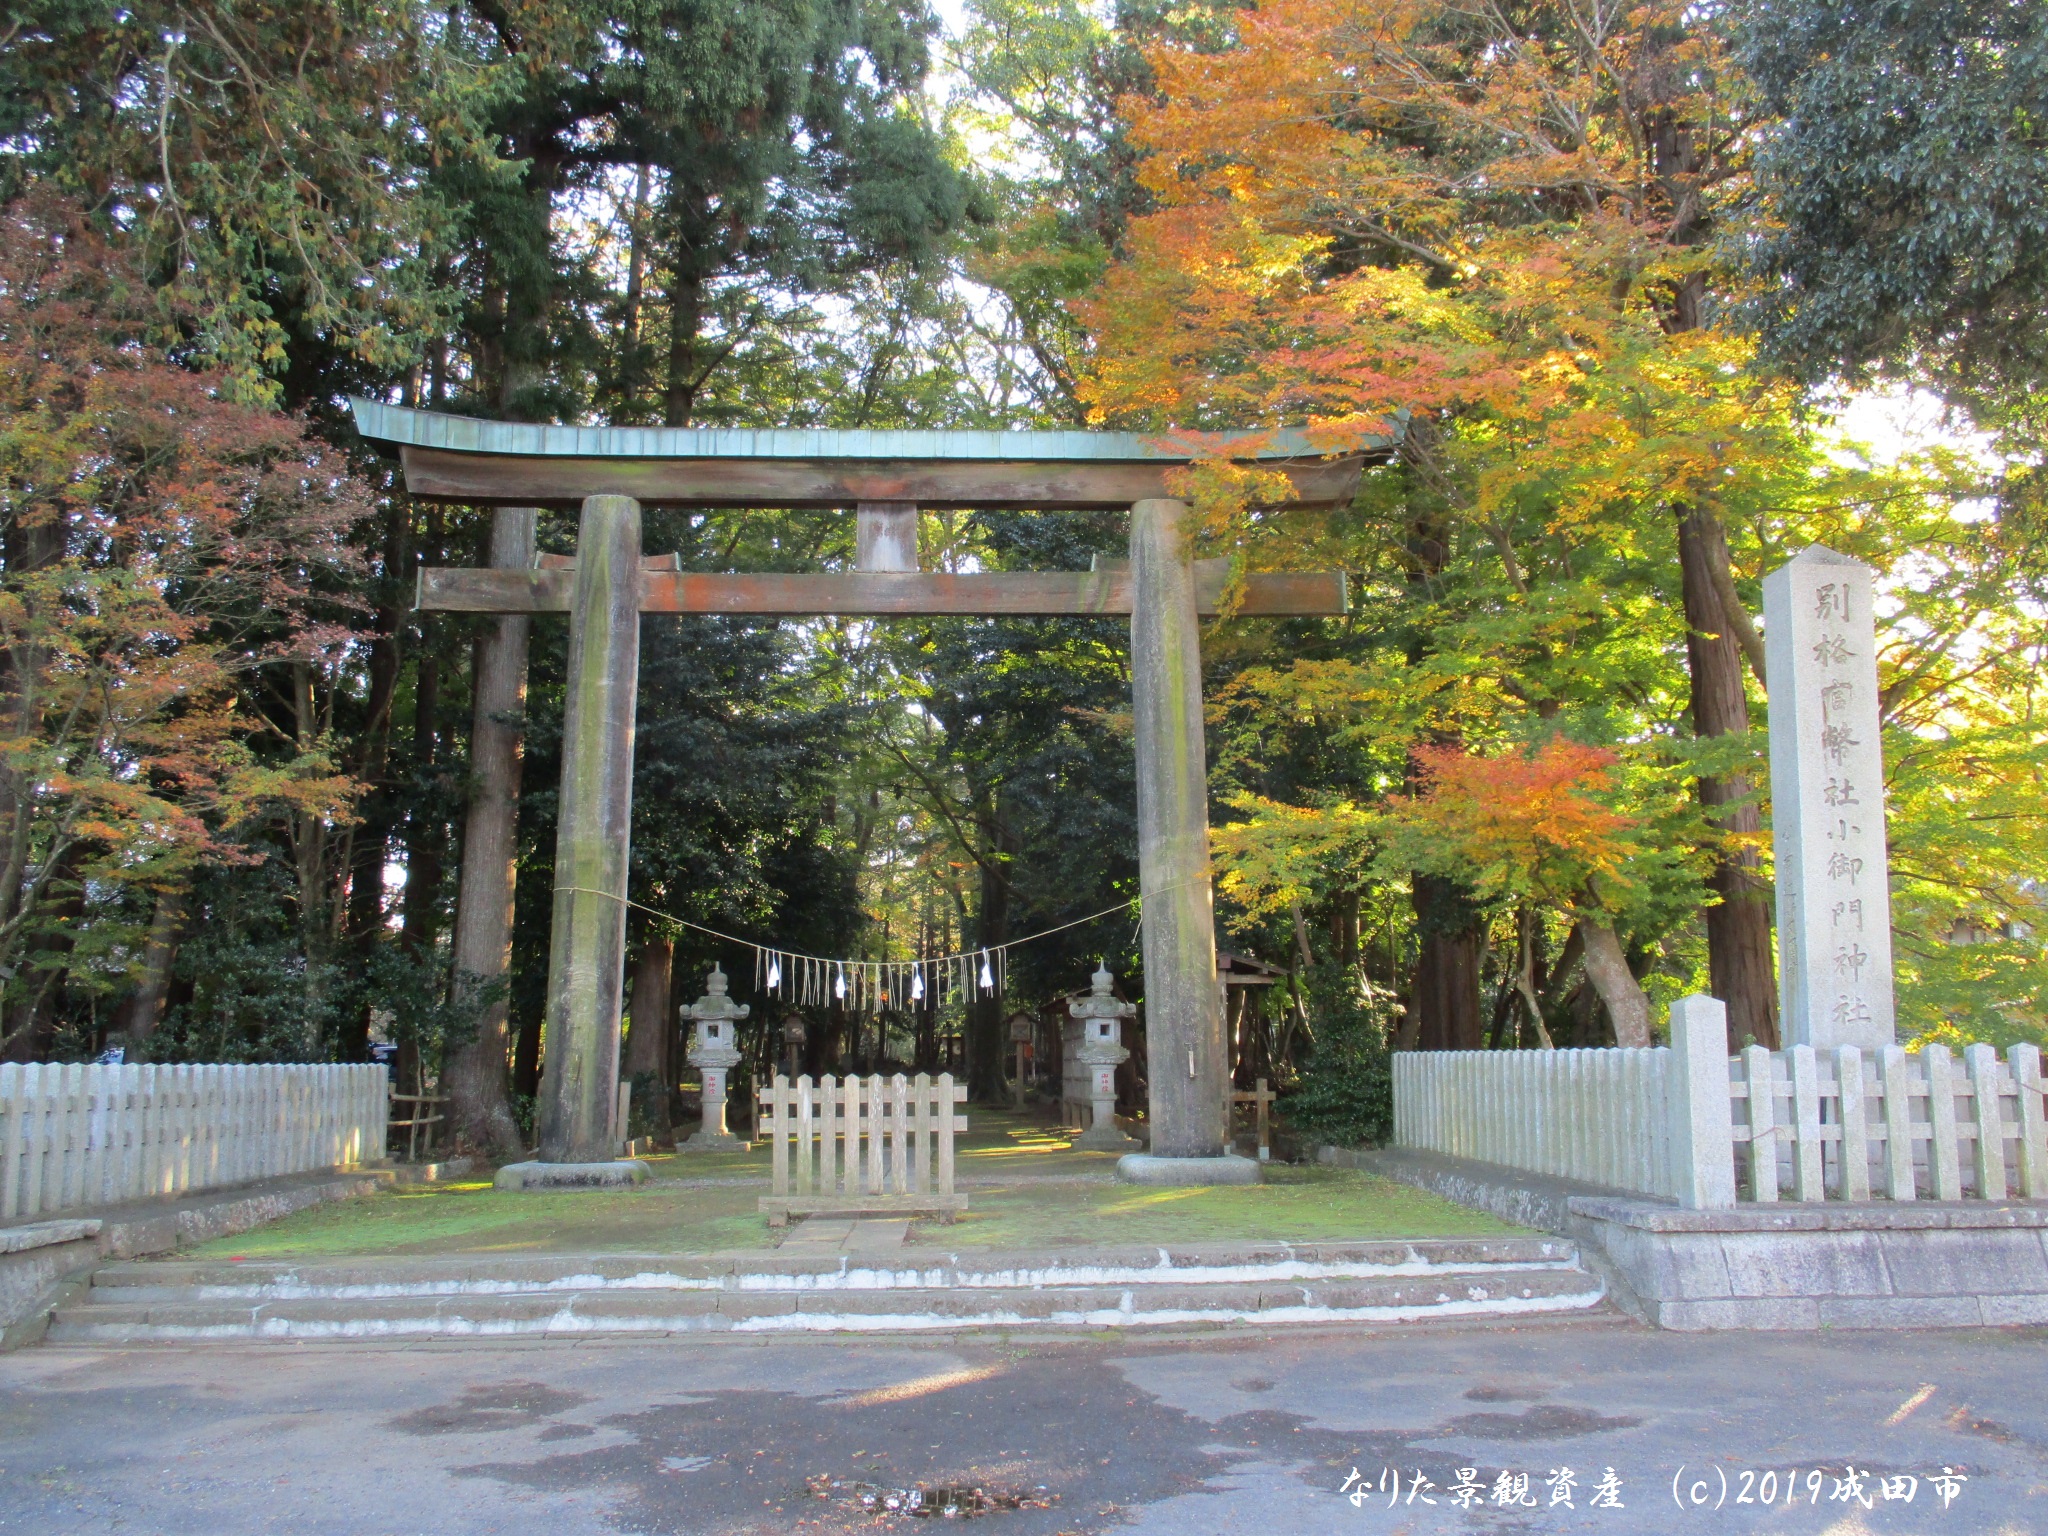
(622, 1174)
(713, 1141)
(447, 1169)
(1105, 1136)
(1185, 1172)
(779, 1208)
(1781, 1265)
(1923, 1264)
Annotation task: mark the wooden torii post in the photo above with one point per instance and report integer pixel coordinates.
(610, 472)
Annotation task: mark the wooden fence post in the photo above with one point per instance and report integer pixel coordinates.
(2025, 1061)
(1981, 1060)
(1944, 1171)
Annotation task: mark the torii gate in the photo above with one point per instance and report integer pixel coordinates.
(887, 476)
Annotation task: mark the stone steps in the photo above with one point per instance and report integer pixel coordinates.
(778, 1291)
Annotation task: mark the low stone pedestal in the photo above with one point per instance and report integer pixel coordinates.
(1778, 1265)
(623, 1174)
(780, 1208)
(703, 1139)
(1186, 1172)
(1927, 1264)
(1104, 1135)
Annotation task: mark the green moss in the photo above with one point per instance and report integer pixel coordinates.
(476, 1218)
(705, 1202)
(1293, 1205)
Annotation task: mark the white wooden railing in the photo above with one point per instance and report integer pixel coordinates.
(1596, 1115)
(1847, 1124)
(73, 1137)
(1688, 1122)
(861, 1143)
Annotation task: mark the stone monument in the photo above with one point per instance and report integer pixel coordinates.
(1827, 804)
(1102, 1052)
(714, 1052)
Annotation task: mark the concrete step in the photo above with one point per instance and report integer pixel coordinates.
(798, 1268)
(558, 1313)
(752, 1292)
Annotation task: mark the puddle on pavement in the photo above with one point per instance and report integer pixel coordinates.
(1546, 1421)
(509, 1405)
(942, 1501)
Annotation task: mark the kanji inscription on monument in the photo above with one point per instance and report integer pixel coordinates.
(1827, 803)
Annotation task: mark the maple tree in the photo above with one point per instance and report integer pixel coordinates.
(162, 541)
(1489, 235)
(1532, 825)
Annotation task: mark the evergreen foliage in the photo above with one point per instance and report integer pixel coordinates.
(1904, 156)
(1346, 1091)
(1521, 239)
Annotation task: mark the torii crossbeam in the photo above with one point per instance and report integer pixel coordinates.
(886, 477)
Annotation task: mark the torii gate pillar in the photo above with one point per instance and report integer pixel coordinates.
(1188, 1059)
(587, 950)
(886, 475)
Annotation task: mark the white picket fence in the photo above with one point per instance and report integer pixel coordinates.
(1691, 1123)
(73, 1137)
(1845, 1124)
(1595, 1115)
(861, 1144)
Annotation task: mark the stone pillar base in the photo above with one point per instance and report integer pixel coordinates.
(1105, 1135)
(1183, 1172)
(623, 1173)
(708, 1140)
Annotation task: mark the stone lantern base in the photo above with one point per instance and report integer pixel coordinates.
(705, 1139)
(1104, 1135)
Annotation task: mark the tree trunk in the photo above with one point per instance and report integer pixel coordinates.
(986, 1038)
(369, 840)
(631, 370)
(1445, 1003)
(647, 1043)
(421, 903)
(1607, 968)
(686, 318)
(1444, 1009)
(481, 1116)
(1739, 924)
(31, 1023)
(425, 831)
(143, 1009)
(1344, 927)
(27, 547)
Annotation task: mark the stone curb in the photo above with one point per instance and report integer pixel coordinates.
(1877, 1264)
(928, 1266)
(41, 1262)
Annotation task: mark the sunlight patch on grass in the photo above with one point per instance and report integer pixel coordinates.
(668, 1216)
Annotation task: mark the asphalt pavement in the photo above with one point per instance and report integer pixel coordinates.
(1584, 1426)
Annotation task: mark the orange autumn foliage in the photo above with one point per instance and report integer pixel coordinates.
(1370, 207)
(1522, 823)
(162, 543)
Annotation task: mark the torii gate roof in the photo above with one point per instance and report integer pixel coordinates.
(468, 459)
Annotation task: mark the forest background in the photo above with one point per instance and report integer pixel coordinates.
(1615, 278)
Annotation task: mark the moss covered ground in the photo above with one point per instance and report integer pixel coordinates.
(701, 1203)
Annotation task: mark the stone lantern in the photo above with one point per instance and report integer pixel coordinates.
(1102, 1052)
(793, 1037)
(714, 1052)
(1021, 1030)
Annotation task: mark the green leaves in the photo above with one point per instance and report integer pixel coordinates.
(1906, 172)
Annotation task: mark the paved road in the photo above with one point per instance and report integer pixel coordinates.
(1204, 1437)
